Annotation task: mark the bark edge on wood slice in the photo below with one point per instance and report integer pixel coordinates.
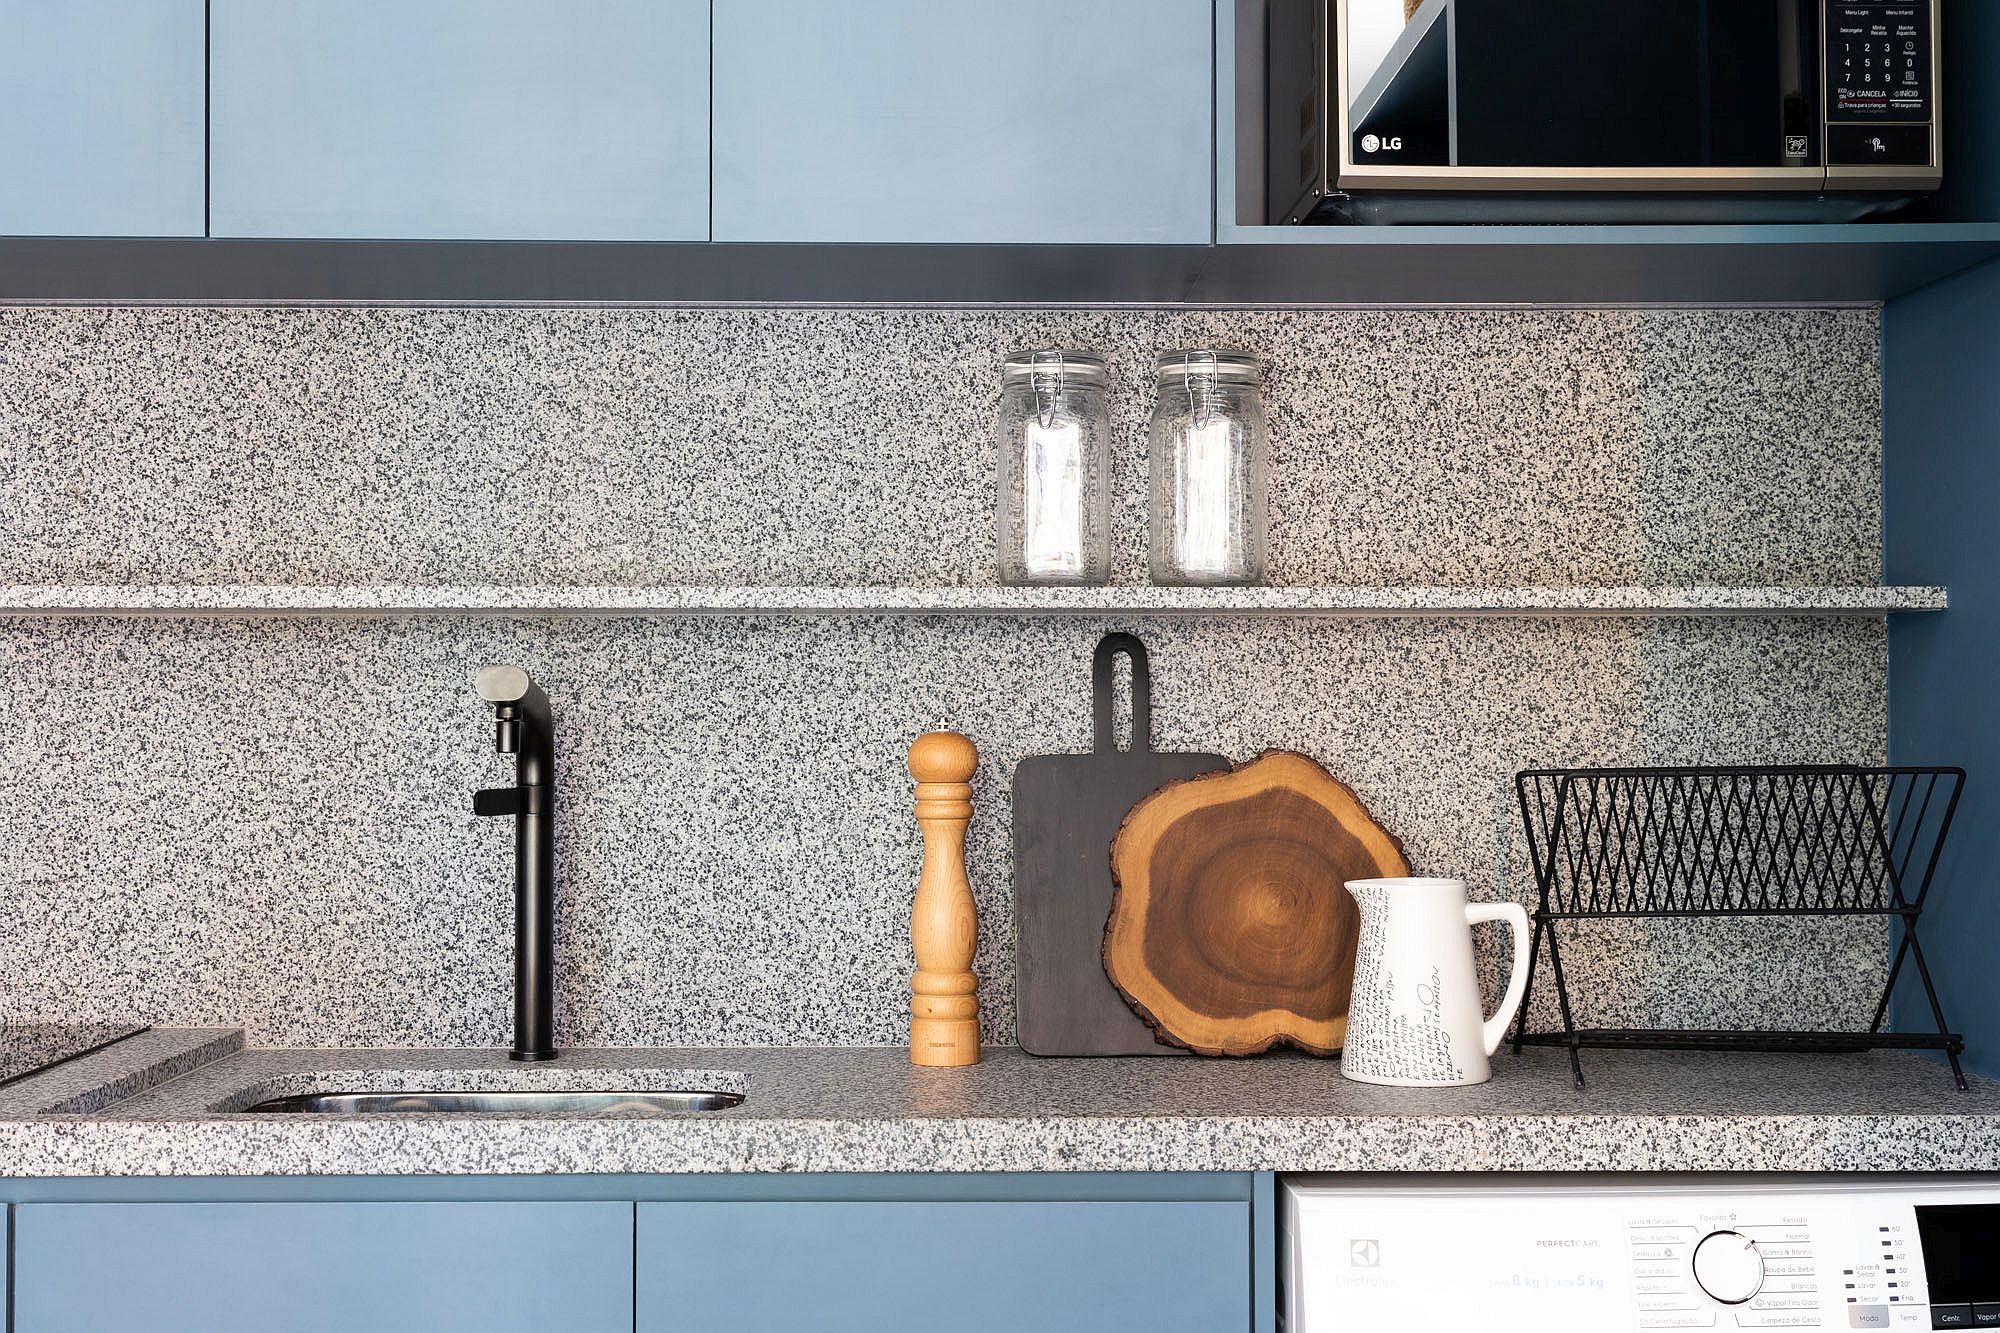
(1230, 929)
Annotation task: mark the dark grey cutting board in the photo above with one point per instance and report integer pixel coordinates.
(1067, 809)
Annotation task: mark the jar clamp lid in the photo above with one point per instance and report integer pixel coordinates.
(1222, 363)
(1071, 365)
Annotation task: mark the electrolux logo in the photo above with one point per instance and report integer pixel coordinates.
(1371, 143)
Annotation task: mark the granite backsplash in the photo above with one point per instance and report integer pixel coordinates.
(267, 821)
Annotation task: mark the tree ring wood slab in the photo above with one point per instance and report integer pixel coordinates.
(1230, 931)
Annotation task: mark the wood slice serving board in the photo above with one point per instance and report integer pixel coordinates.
(1067, 808)
(1230, 930)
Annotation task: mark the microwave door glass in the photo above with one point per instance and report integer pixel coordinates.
(1372, 28)
(1584, 83)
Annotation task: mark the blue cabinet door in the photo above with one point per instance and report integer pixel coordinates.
(382, 1267)
(1181, 1267)
(460, 119)
(101, 117)
(963, 120)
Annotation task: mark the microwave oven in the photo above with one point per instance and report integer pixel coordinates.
(1600, 110)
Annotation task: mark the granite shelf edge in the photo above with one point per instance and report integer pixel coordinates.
(427, 599)
(501, 1146)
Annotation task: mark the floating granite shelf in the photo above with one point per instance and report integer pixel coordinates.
(436, 599)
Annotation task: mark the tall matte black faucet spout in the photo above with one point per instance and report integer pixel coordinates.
(521, 728)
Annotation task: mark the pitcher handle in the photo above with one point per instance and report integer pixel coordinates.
(1515, 917)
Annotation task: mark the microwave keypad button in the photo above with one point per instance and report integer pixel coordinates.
(1878, 145)
(1878, 62)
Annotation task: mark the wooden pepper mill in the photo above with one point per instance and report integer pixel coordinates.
(944, 925)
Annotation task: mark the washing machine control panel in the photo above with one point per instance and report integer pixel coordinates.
(1491, 1255)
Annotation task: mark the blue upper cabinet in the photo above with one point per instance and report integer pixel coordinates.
(259, 1267)
(581, 120)
(964, 120)
(101, 117)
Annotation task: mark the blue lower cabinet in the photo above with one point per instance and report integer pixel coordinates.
(381, 1267)
(1167, 1267)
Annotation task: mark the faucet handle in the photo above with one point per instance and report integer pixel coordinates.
(500, 801)
(511, 801)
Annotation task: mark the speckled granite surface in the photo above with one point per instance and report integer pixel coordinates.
(27, 1047)
(870, 1110)
(391, 599)
(268, 822)
(93, 1082)
(854, 446)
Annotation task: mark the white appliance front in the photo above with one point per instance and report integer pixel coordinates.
(1602, 1254)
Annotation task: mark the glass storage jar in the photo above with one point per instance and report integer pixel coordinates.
(1210, 469)
(1055, 469)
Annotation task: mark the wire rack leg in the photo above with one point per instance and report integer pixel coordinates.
(1528, 989)
(1562, 1003)
(1895, 970)
(1937, 1010)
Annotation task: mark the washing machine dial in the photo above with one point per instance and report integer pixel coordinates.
(1728, 1266)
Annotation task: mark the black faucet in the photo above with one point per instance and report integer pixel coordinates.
(521, 727)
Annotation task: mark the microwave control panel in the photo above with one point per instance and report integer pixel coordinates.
(1878, 61)
(1502, 1257)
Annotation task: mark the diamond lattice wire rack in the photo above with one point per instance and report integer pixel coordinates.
(1800, 841)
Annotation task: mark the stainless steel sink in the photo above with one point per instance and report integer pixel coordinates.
(541, 1102)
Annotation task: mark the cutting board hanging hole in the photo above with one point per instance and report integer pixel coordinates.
(1121, 702)
(1121, 695)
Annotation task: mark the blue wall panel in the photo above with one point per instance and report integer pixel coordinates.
(1971, 190)
(101, 117)
(259, 1267)
(1941, 524)
(964, 120)
(967, 1267)
(460, 119)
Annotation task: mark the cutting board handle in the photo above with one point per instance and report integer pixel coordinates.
(1142, 692)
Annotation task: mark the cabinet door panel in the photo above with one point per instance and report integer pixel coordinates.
(101, 119)
(385, 1267)
(970, 1267)
(460, 119)
(963, 120)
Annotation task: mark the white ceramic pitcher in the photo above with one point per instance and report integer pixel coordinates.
(1414, 1018)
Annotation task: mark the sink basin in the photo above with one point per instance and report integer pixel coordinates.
(541, 1102)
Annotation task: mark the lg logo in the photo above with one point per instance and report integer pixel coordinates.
(1373, 144)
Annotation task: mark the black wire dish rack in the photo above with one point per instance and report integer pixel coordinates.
(1801, 842)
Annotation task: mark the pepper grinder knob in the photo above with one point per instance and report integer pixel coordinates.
(944, 924)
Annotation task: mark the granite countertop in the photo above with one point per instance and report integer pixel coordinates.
(164, 1103)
